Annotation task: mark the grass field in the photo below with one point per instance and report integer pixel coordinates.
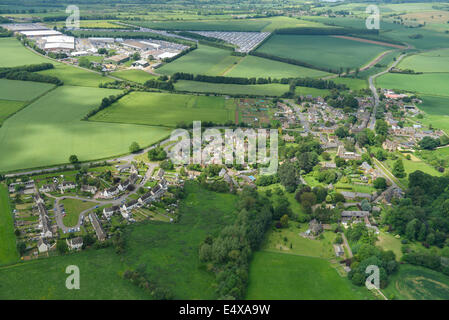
(135, 75)
(431, 61)
(49, 130)
(252, 66)
(418, 283)
(100, 278)
(427, 83)
(73, 208)
(170, 251)
(22, 90)
(9, 107)
(333, 52)
(167, 109)
(278, 276)
(8, 251)
(74, 76)
(272, 89)
(203, 60)
(352, 83)
(15, 54)
(437, 112)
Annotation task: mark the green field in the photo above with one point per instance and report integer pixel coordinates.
(252, 66)
(22, 90)
(427, 83)
(15, 54)
(167, 109)
(352, 83)
(44, 279)
(8, 251)
(74, 76)
(279, 276)
(437, 112)
(8, 108)
(418, 283)
(135, 75)
(431, 61)
(304, 91)
(73, 208)
(49, 130)
(272, 89)
(170, 251)
(322, 51)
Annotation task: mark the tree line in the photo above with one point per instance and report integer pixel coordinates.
(26, 73)
(106, 102)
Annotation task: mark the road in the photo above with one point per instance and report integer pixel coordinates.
(373, 89)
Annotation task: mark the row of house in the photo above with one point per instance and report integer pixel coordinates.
(122, 186)
(62, 187)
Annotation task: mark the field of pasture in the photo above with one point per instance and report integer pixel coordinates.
(8, 251)
(15, 54)
(165, 109)
(322, 51)
(135, 75)
(50, 129)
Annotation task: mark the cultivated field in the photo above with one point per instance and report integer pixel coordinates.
(74, 76)
(8, 251)
(437, 112)
(15, 54)
(279, 276)
(49, 130)
(252, 66)
(431, 61)
(203, 60)
(22, 90)
(427, 83)
(135, 75)
(322, 51)
(165, 109)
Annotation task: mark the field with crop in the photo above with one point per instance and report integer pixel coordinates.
(252, 66)
(169, 252)
(418, 283)
(135, 75)
(8, 251)
(165, 109)
(280, 276)
(15, 54)
(427, 83)
(430, 61)
(49, 130)
(437, 112)
(8, 108)
(272, 89)
(74, 76)
(22, 90)
(322, 51)
(203, 60)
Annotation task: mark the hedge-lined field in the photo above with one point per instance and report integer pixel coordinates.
(8, 251)
(13, 54)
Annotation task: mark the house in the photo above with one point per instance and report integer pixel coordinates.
(66, 185)
(42, 245)
(89, 189)
(109, 193)
(47, 188)
(145, 198)
(108, 212)
(141, 63)
(315, 227)
(130, 205)
(101, 235)
(125, 168)
(75, 243)
(348, 215)
(44, 221)
(353, 195)
(390, 145)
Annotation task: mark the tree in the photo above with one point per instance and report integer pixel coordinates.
(136, 56)
(167, 165)
(288, 176)
(73, 159)
(134, 147)
(307, 160)
(381, 127)
(380, 183)
(398, 169)
(61, 246)
(284, 221)
(429, 143)
(21, 247)
(157, 154)
(84, 62)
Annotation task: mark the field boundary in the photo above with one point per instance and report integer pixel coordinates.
(381, 43)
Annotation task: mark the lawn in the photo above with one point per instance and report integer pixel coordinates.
(279, 276)
(49, 130)
(252, 66)
(388, 242)
(135, 75)
(44, 279)
(22, 90)
(427, 83)
(170, 251)
(322, 51)
(272, 89)
(418, 283)
(73, 208)
(167, 109)
(203, 60)
(8, 251)
(15, 54)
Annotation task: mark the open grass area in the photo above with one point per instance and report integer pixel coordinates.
(431, 61)
(167, 109)
(418, 283)
(272, 89)
(49, 130)
(44, 279)
(170, 251)
(15, 54)
(279, 276)
(252, 66)
(73, 208)
(427, 83)
(22, 90)
(8, 250)
(388, 242)
(74, 76)
(203, 60)
(135, 75)
(322, 51)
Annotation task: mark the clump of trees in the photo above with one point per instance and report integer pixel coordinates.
(106, 102)
(157, 154)
(26, 73)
